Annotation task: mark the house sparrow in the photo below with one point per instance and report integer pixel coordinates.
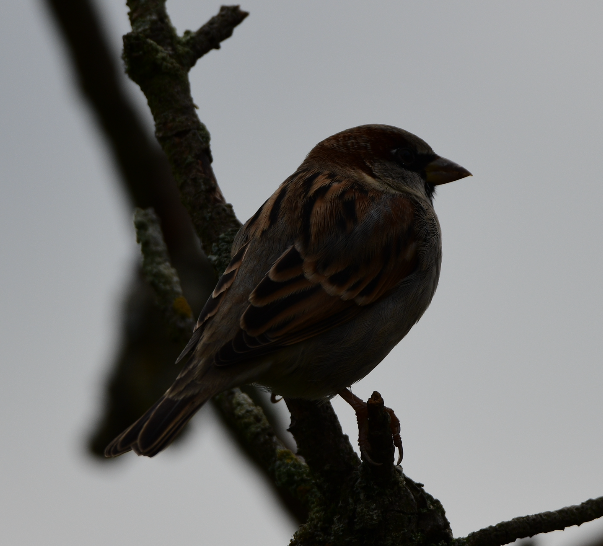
(325, 279)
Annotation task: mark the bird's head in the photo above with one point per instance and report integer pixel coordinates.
(389, 156)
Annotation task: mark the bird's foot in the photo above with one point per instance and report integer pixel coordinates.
(361, 409)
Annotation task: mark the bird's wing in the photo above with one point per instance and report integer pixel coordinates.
(348, 246)
(353, 245)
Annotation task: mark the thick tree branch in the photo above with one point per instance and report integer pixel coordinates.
(284, 468)
(145, 173)
(142, 367)
(324, 446)
(527, 526)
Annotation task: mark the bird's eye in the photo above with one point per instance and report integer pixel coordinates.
(405, 156)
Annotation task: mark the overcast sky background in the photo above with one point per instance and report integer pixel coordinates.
(499, 387)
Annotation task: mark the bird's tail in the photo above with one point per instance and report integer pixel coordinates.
(157, 428)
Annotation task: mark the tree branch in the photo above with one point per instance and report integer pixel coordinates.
(209, 36)
(142, 366)
(527, 526)
(160, 274)
(158, 61)
(145, 172)
(286, 471)
(321, 441)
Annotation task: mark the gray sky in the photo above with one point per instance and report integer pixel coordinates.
(499, 387)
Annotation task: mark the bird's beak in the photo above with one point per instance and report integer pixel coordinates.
(442, 171)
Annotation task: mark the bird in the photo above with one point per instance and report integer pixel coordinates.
(329, 275)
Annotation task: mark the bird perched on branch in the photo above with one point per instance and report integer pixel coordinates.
(325, 279)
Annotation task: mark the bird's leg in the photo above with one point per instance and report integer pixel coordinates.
(360, 408)
(276, 399)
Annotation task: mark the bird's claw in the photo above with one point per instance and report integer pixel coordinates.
(394, 425)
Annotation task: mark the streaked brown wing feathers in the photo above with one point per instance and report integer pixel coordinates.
(213, 302)
(321, 282)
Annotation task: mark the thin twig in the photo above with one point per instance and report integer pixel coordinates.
(209, 36)
(160, 274)
(527, 526)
